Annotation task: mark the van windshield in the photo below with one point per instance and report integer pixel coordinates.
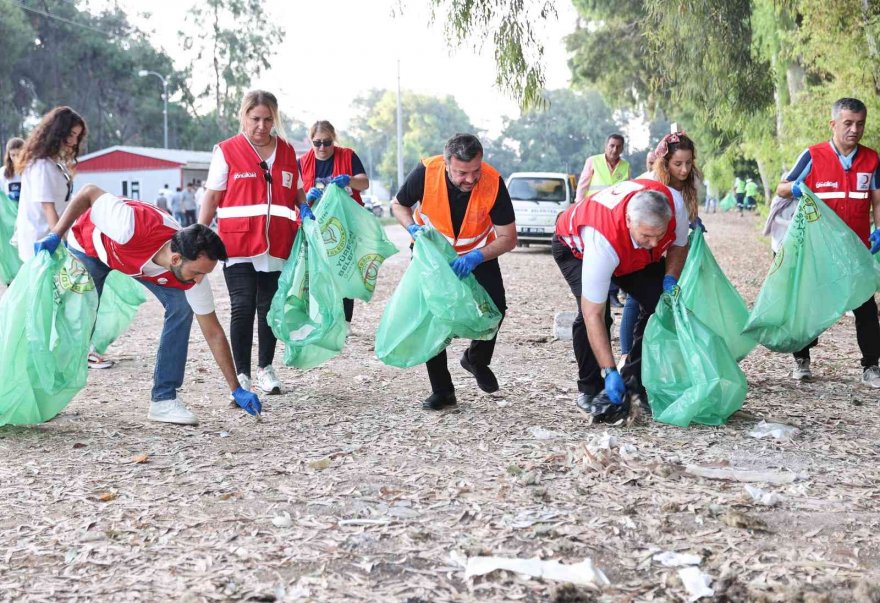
(537, 189)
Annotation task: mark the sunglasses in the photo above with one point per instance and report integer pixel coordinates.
(265, 167)
(69, 180)
(327, 142)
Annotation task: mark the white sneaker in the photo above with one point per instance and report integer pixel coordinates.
(244, 381)
(871, 376)
(171, 411)
(268, 381)
(802, 370)
(96, 361)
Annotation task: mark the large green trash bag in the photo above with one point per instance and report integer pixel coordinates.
(821, 271)
(355, 241)
(120, 299)
(306, 312)
(688, 370)
(431, 306)
(728, 202)
(46, 320)
(9, 260)
(707, 293)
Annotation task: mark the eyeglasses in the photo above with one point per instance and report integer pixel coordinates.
(327, 142)
(265, 167)
(69, 180)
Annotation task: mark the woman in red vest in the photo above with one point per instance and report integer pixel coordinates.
(255, 190)
(325, 163)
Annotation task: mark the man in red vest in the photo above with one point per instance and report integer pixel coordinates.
(618, 235)
(467, 202)
(138, 239)
(846, 176)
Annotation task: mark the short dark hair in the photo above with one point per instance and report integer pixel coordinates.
(198, 239)
(616, 136)
(847, 104)
(464, 147)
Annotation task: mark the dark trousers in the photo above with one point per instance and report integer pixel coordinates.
(867, 334)
(645, 286)
(250, 293)
(189, 217)
(488, 274)
(348, 308)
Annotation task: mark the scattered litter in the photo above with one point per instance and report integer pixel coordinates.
(320, 464)
(762, 497)
(282, 521)
(140, 459)
(745, 475)
(672, 559)
(539, 433)
(743, 521)
(502, 403)
(696, 583)
(777, 431)
(606, 441)
(628, 452)
(583, 573)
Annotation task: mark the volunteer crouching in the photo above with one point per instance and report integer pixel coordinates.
(618, 235)
(140, 240)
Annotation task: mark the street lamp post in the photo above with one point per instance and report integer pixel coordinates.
(144, 73)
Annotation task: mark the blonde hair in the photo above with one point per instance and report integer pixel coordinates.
(261, 98)
(11, 145)
(689, 189)
(322, 125)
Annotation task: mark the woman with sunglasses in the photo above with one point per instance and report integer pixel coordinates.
(326, 162)
(254, 189)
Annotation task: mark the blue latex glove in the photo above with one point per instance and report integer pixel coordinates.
(413, 229)
(341, 180)
(306, 212)
(614, 386)
(875, 241)
(248, 401)
(698, 223)
(669, 283)
(314, 194)
(796, 191)
(465, 264)
(50, 243)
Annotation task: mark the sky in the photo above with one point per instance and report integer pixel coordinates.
(337, 49)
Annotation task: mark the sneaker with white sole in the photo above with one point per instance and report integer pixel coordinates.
(268, 381)
(802, 370)
(96, 361)
(244, 381)
(171, 411)
(871, 376)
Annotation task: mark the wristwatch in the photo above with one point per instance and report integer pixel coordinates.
(605, 371)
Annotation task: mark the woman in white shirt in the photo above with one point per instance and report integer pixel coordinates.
(10, 178)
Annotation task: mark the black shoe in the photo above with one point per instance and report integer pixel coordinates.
(485, 377)
(603, 410)
(439, 401)
(583, 402)
(614, 302)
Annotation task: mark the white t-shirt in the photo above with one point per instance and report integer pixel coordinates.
(115, 218)
(600, 259)
(43, 181)
(11, 187)
(216, 181)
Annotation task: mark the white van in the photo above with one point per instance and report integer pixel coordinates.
(538, 199)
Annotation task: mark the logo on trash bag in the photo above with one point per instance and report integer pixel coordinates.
(811, 210)
(74, 277)
(334, 236)
(369, 269)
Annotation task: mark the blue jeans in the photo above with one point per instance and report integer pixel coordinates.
(628, 324)
(174, 342)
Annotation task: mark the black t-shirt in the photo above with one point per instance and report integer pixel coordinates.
(414, 187)
(324, 168)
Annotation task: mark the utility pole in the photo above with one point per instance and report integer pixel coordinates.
(144, 73)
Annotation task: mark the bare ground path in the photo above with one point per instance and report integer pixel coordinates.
(348, 491)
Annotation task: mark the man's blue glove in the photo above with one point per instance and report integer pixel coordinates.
(413, 229)
(306, 212)
(796, 191)
(465, 264)
(614, 386)
(50, 243)
(669, 283)
(875, 241)
(248, 401)
(698, 223)
(341, 180)
(314, 194)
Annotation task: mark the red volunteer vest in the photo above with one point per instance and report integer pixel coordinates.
(255, 218)
(477, 229)
(152, 229)
(606, 212)
(848, 193)
(341, 165)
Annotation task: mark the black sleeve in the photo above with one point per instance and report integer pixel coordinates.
(357, 167)
(502, 213)
(414, 187)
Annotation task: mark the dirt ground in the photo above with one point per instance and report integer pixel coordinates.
(349, 491)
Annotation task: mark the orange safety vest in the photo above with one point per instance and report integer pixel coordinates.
(477, 229)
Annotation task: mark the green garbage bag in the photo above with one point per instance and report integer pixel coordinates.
(431, 306)
(688, 370)
(728, 202)
(821, 271)
(120, 299)
(306, 311)
(9, 260)
(46, 320)
(707, 293)
(355, 241)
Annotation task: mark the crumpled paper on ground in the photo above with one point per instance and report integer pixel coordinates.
(582, 574)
